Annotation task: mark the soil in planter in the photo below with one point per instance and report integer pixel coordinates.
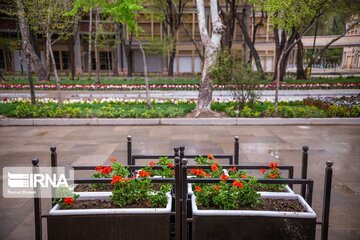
(279, 205)
(107, 188)
(263, 188)
(99, 204)
(88, 188)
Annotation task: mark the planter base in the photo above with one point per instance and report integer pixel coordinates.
(248, 228)
(134, 227)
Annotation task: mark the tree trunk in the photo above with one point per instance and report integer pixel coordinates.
(58, 86)
(129, 56)
(172, 59)
(145, 75)
(31, 83)
(90, 35)
(277, 82)
(72, 57)
(116, 52)
(250, 45)
(300, 72)
(97, 62)
(212, 48)
(26, 43)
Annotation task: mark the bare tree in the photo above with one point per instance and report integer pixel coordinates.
(212, 48)
(26, 42)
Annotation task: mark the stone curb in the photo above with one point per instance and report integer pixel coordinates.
(176, 121)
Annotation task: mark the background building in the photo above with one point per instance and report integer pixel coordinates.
(73, 53)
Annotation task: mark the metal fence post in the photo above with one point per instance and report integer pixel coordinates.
(182, 152)
(236, 150)
(184, 199)
(129, 150)
(177, 199)
(304, 167)
(53, 165)
(37, 203)
(176, 151)
(326, 200)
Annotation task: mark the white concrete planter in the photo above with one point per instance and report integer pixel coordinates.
(124, 223)
(105, 196)
(249, 224)
(288, 191)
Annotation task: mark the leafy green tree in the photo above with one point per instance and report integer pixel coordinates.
(48, 18)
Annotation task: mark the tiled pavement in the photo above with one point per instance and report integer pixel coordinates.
(259, 144)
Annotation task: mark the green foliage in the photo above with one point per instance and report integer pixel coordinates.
(100, 110)
(339, 111)
(227, 196)
(289, 14)
(301, 112)
(229, 70)
(121, 11)
(49, 17)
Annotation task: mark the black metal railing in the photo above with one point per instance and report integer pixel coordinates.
(183, 215)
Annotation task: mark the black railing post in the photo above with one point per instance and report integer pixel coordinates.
(37, 203)
(182, 152)
(177, 199)
(236, 150)
(304, 167)
(176, 151)
(291, 175)
(53, 165)
(326, 200)
(129, 150)
(184, 196)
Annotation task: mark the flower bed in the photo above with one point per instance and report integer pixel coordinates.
(195, 87)
(132, 201)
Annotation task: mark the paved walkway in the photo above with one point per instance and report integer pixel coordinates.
(264, 95)
(259, 144)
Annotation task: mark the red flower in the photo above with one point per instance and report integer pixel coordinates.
(262, 170)
(215, 167)
(198, 189)
(224, 177)
(210, 156)
(68, 200)
(198, 172)
(243, 176)
(272, 176)
(232, 169)
(116, 179)
(106, 170)
(173, 173)
(238, 184)
(144, 173)
(217, 187)
(273, 165)
(99, 168)
(207, 175)
(152, 164)
(171, 165)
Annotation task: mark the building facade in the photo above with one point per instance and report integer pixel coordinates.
(74, 53)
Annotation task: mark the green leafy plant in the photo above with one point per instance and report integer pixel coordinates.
(227, 196)
(272, 173)
(65, 197)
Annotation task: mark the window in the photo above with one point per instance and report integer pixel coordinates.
(57, 60)
(2, 59)
(62, 60)
(105, 60)
(65, 60)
